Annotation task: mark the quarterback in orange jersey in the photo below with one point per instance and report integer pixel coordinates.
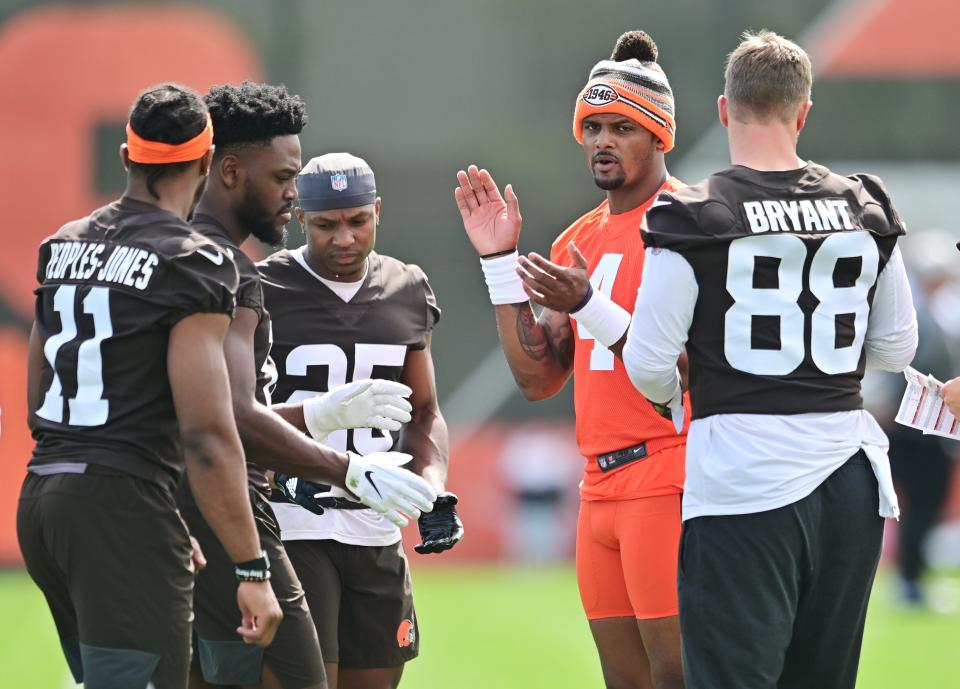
(629, 524)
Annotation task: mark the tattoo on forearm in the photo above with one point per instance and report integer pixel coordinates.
(533, 339)
(561, 343)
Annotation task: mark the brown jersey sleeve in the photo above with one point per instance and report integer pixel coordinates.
(201, 280)
(432, 312)
(249, 291)
(433, 309)
(672, 221)
(879, 214)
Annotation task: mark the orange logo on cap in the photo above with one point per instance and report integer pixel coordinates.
(406, 634)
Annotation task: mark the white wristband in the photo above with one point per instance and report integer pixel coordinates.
(503, 283)
(603, 318)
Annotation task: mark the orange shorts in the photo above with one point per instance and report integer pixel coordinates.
(627, 557)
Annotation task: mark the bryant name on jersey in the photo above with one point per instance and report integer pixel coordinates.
(804, 215)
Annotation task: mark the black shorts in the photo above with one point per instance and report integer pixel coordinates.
(294, 656)
(777, 599)
(113, 559)
(361, 599)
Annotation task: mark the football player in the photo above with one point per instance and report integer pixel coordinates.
(251, 192)
(784, 281)
(629, 523)
(343, 313)
(131, 314)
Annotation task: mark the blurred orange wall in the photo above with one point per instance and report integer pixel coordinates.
(65, 71)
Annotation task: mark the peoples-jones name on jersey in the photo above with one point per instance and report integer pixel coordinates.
(798, 215)
(117, 264)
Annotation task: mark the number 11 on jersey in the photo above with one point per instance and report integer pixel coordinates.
(88, 407)
(602, 279)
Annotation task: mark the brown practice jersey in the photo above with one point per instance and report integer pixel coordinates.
(320, 341)
(111, 286)
(249, 295)
(786, 265)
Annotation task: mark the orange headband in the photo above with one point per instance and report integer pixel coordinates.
(157, 153)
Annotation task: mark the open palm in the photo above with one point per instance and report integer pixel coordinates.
(492, 223)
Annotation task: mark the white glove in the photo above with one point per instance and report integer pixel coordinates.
(381, 484)
(368, 403)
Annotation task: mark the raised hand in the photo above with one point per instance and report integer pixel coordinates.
(492, 223)
(557, 287)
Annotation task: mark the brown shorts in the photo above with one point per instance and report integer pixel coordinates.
(112, 557)
(294, 656)
(361, 599)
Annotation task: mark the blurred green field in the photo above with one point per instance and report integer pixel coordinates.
(486, 628)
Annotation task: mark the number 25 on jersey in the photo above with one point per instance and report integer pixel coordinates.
(365, 358)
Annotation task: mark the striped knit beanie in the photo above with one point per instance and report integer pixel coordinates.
(634, 89)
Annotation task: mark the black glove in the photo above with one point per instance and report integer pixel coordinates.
(662, 409)
(440, 529)
(300, 491)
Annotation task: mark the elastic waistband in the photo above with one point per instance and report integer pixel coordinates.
(58, 468)
(55, 468)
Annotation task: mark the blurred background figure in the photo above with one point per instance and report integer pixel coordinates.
(922, 465)
(935, 270)
(540, 466)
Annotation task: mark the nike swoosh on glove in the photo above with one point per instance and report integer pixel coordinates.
(300, 491)
(367, 403)
(381, 483)
(440, 529)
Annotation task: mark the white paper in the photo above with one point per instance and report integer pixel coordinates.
(923, 408)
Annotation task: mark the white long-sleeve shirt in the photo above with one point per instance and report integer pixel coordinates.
(745, 463)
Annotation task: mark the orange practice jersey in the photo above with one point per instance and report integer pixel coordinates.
(611, 413)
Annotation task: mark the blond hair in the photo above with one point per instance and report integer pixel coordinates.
(767, 76)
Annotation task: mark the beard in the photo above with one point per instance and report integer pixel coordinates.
(269, 234)
(609, 183)
(260, 222)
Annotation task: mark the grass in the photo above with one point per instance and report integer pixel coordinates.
(486, 628)
(30, 656)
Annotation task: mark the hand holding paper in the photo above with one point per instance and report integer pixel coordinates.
(925, 408)
(951, 395)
